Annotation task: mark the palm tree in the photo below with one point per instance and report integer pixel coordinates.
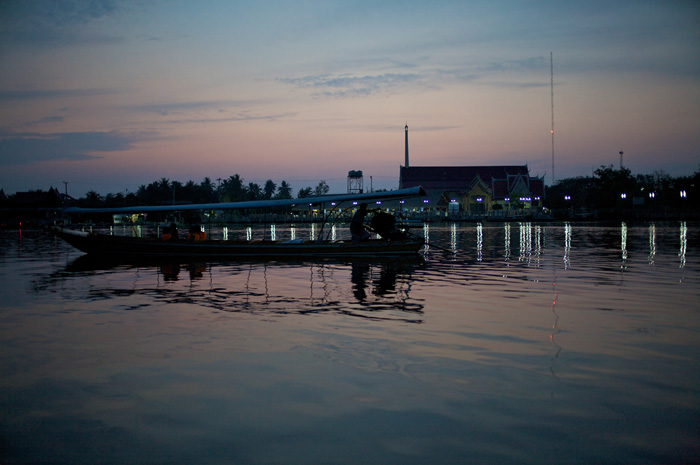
(232, 189)
(207, 190)
(254, 191)
(284, 191)
(269, 189)
(190, 191)
(92, 199)
(305, 192)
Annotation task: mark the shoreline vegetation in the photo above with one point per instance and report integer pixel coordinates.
(608, 194)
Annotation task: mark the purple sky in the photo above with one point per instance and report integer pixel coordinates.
(108, 95)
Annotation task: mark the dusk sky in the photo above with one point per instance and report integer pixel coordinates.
(108, 95)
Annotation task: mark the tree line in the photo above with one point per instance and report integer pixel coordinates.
(167, 192)
(612, 189)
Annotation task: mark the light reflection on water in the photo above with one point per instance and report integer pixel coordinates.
(584, 349)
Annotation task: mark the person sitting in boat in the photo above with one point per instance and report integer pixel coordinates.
(384, 224)
(166, 235)
(357, 226)
(196, 234)
(174, 234)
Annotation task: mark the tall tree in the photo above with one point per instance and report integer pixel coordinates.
(254, 191)
(322, 188)
(207, 191)
(92, 200)
(269, 189)
(305, 192)
(284, 191)
(232, 189)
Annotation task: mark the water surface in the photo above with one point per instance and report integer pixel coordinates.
(522, 343)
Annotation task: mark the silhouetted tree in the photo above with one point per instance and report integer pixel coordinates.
(232, 189)
(305, 192)
(206, 192)
(254, 191)
(284, 191)
(115, 200)
(269, 189)
(91, 200)
(612, 184)
(321, 189)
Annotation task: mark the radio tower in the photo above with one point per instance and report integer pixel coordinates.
(551, 82)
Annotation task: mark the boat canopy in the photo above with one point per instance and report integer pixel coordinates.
(417, 191)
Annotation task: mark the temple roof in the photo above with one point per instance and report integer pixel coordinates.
(502, 179)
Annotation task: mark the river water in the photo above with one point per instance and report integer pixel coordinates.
(501, 343)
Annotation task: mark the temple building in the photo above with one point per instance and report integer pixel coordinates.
(474, 190)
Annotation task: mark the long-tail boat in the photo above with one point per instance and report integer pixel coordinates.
(396, 243)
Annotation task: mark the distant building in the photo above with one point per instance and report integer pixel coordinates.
(28, 207)
(473, 190)
(37, 199)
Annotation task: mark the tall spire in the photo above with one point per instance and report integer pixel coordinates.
(406, 164)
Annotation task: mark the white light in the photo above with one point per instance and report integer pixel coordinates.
(623, 196)
(425, 201)
(683, 194)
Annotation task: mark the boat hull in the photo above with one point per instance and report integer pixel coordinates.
(103, 244)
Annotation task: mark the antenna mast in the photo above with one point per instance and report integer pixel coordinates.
(551, 79)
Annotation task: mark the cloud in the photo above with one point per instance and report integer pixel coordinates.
(48, 119)
(188, 112)
(13, 95)
(56, 22)
(169, 109)
(519, 72)
(233, 118)
(26, 148)
(347, 85)
(525, 64)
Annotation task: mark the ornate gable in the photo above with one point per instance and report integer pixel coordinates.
(478, 187)
(518, 187)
